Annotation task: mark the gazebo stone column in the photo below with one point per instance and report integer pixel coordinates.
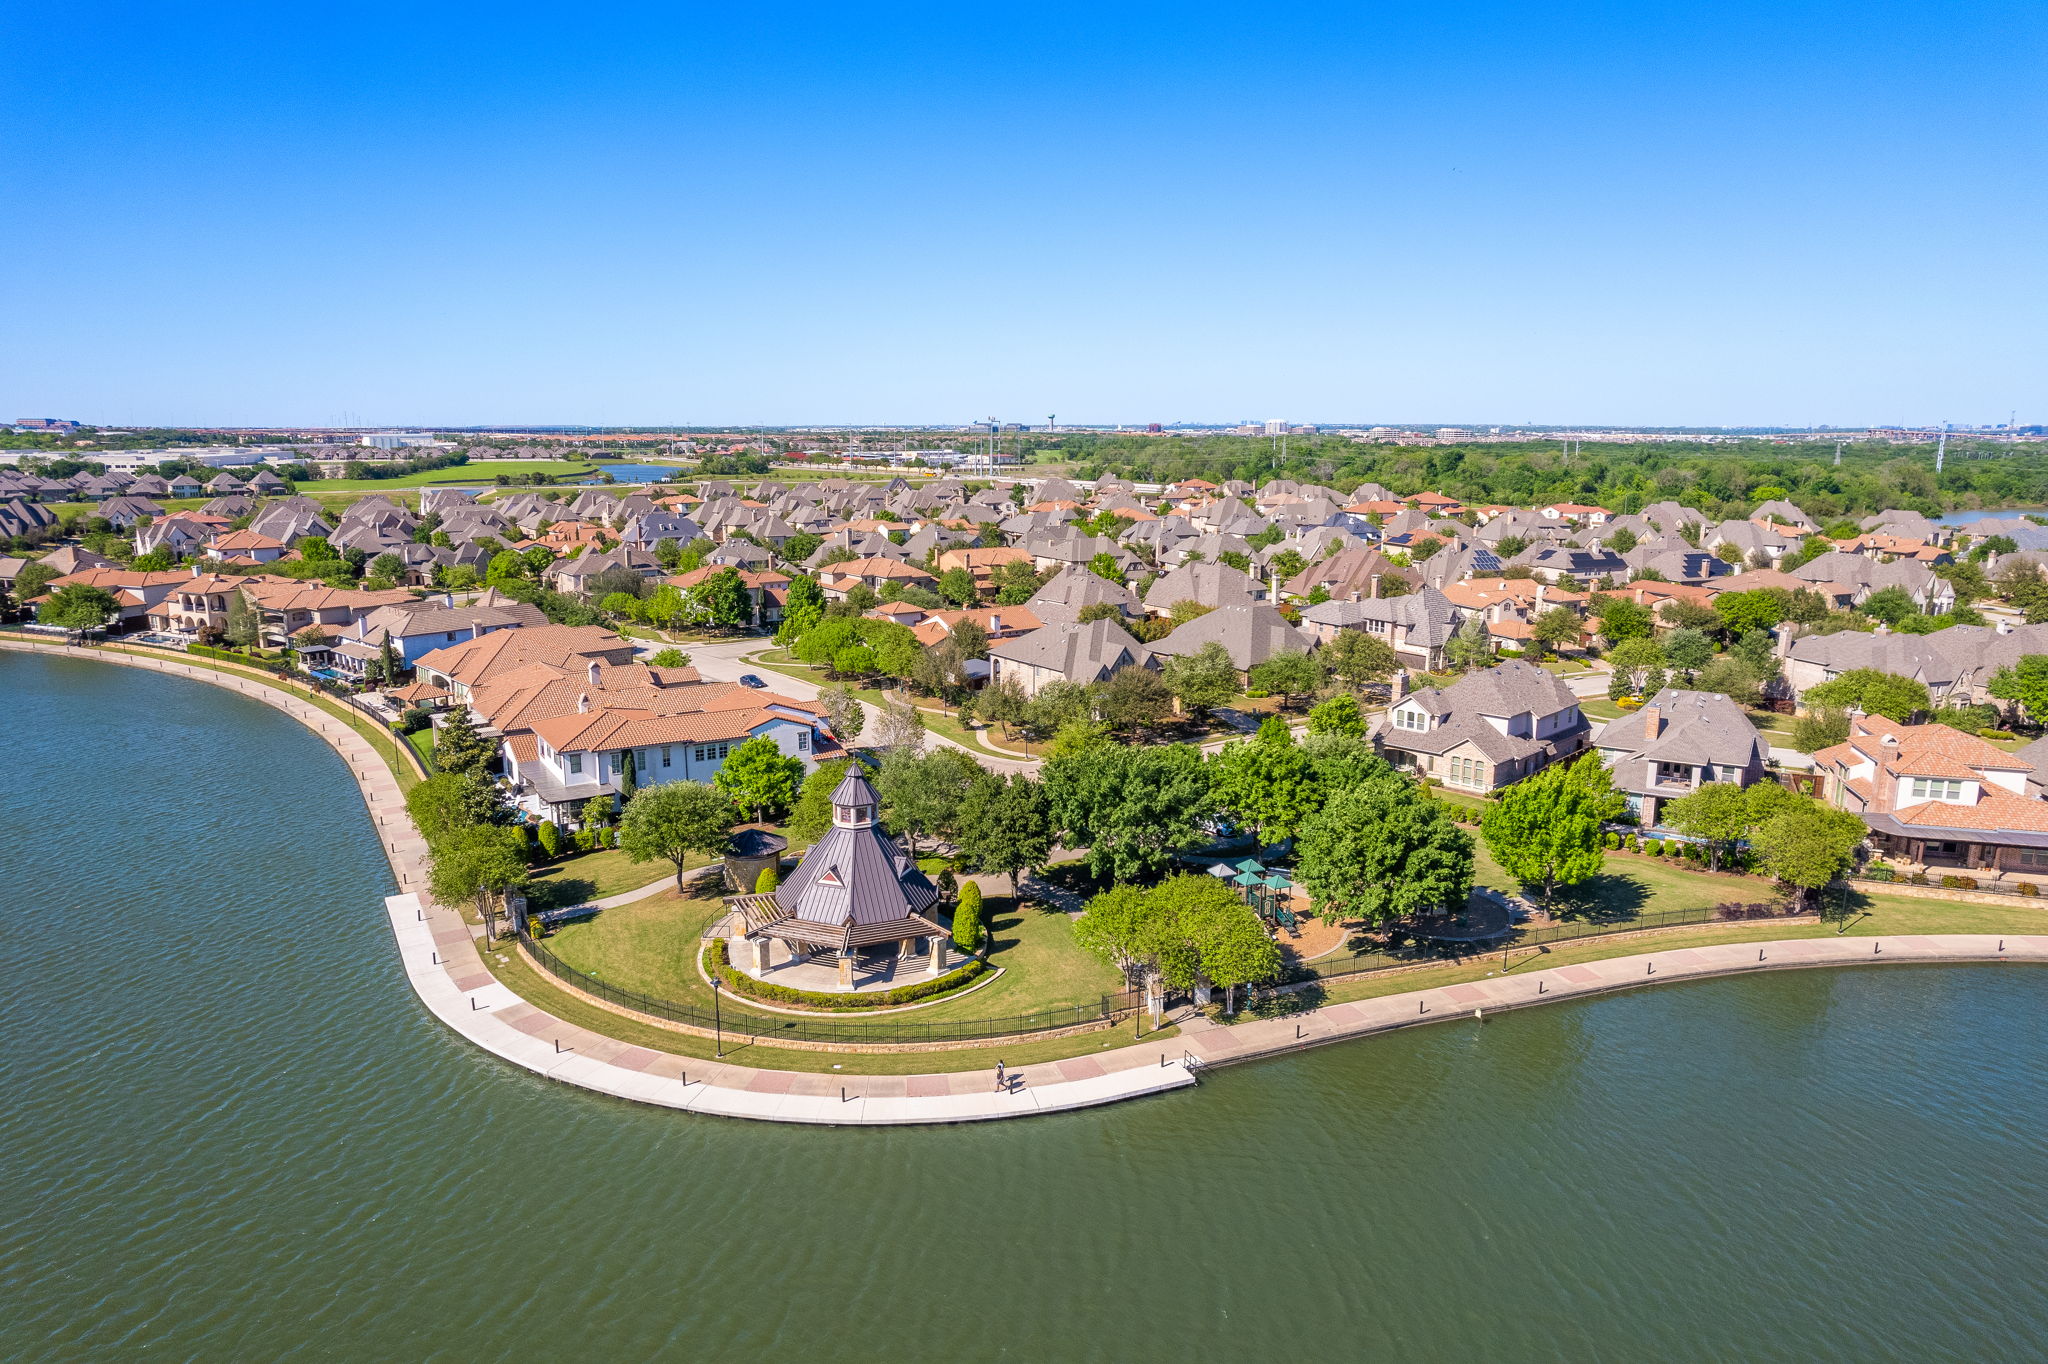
(759, 947)
(846, 969)
(937, 965)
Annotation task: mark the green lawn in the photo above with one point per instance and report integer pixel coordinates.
(596, 875)
(483, 472)
(651, 946)
(1600, 708)
(422, 741)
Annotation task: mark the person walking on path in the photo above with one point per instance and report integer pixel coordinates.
(1002, 1080)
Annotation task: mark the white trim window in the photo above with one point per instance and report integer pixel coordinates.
(1411, 719)
(1467, 772)
(575, 764)
(1936, 788)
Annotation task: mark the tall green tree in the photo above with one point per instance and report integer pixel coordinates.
(759, 776)
(1268, 785)
(244, 628)
(1287, 674)
(477, 863)
(1134, 809)
(1807, 849)
(1382, 851)
(1545, 830)
(457, 745)
(1470, 646)
(1203, 680)
(79, 606)
(1359, 659)
(1338, 715)
(1874, 692)
(922, 792)
(671, 821)
(968, 932)
(450, 801)
(1005, 826)
(2024, 683)
(812, 813)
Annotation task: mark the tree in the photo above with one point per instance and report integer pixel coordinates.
(1382, 851)
(1633, 662)
(902, 726)
(2024, 683)
(1104, 565)
(1805, 849)
(1891, 605)
(1689, 615)
(670, 657)
(967, 929)
(1134, 809)
(798, 548)
(724, 600)
(843, 712)
(766, 882)
(956, 585)
(1716, 813)
(449, 801)
(1342, 760)
(1133, 698)
(1545, 830)
(1874, 692)
(80, 606)
(1286, 564)
(1471, 646)
(922, 793)
(1821, 727)
(33, 581)
(1762, 609)
(1202, 681)
(1686, 651)
(1016, 583)
(1621, 619)
(1360, 659)
(1555, 628)
(387, 566)
(970, 638)
(458, 747)
(1734, 678)
(478, 863)
(811, 816)
(1287, 674)
(674, 819)
(1338, 715)
(549, 836)
(803, 606)
(1235, 949)
(759, 776)
(1005, 826)
(1268, 785)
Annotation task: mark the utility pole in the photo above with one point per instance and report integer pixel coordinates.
(1940, 449)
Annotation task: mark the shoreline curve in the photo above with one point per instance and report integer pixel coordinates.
(448, 975)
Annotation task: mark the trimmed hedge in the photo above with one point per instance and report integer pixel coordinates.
(1959, 882)
(720, 966)
(269, 665)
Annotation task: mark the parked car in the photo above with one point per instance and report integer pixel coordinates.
(750, 680)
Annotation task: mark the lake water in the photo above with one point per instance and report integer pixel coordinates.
(1964, 518)
(229, 1132)
(645, 473)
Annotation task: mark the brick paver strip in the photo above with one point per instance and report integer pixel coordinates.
(441, 962)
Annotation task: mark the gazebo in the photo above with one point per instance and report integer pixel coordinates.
(855, 889)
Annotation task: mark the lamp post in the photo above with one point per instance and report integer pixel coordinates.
(717, 1019)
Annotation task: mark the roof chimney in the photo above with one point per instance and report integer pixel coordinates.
(1653, 722)
(583, 703)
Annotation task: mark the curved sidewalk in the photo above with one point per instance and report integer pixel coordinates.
(442, 963)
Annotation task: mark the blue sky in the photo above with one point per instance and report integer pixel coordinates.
(1691, 213)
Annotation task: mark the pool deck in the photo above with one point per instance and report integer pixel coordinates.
(441, 961)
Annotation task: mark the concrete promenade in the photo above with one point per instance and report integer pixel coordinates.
(441, 961)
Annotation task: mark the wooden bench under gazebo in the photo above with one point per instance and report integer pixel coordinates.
(854, 891)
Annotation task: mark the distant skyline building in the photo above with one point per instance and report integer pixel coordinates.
(1276, 427)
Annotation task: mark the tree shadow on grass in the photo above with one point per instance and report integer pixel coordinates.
(1610, 897)
(559, 892)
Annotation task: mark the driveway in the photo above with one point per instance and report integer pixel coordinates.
(725, 659)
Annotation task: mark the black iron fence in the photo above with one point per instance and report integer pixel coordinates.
(740, 1024)
(1535, 935)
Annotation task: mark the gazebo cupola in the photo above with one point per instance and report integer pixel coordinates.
(853, 803)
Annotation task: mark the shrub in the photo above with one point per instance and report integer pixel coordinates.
(1630, 703)
(1919, 878)
(766, 881)
(1996, 734)
(1959, 882)
(550, 836)
(2028, 889)
(1878, 873)
(718, 964)
(967, 930)
(1760, 909)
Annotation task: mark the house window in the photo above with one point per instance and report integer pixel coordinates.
(667, 751)
(1930, 788)
(1674, 774)
(803, 741)
(1467, 772)
(2031, 857)
(712, 752)
(576, 764)
(1410, 719)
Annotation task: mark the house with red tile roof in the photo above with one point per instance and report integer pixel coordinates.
(1939, 799)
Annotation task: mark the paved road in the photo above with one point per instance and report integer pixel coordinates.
(724, 661)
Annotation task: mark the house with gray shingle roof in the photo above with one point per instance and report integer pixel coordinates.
(1250, 634)
(1418, 626)
(1071, 652)
(1205, 584)
(1485, 730)
(1678, 742)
